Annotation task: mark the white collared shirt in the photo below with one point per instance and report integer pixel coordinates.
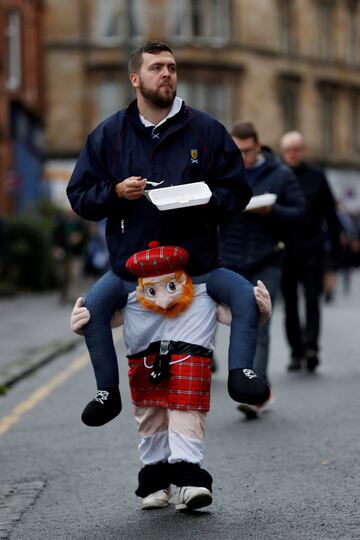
(175, 108)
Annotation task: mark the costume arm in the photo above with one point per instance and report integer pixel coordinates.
(80, 316)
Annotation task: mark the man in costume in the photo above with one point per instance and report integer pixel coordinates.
(169, 325)
(160, 139)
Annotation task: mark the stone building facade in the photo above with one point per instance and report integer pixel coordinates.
(21, 104)
(282, 64)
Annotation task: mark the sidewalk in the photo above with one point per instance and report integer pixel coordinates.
(34, 328)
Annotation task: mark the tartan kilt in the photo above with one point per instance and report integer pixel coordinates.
(187, 388)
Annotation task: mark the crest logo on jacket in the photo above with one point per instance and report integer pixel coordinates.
(194, 156)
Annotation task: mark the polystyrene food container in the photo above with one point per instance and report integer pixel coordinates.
(268, 199)
(170, 198)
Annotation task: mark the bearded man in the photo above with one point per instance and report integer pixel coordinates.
(160, 140)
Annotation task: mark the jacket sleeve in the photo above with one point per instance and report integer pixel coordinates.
(91, 190)
(226, 178)
(290, 204)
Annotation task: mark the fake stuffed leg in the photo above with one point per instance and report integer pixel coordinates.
(228, 287)
(106, 296)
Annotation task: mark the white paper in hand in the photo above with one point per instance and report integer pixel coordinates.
(259, 201)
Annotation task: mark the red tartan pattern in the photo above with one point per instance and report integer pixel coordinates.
(157, 261)
(188, 387)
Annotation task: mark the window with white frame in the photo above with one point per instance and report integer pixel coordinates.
(14, 50)
(206, 21)
(213, 97)
(118, 20)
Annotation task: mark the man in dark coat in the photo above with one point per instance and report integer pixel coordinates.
(158, 139)
(304, 261)
(252, 242)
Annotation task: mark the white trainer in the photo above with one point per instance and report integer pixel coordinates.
(158, 499)
(192, 498)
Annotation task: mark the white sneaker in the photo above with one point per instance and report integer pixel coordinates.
(192, 498)
(158, 499)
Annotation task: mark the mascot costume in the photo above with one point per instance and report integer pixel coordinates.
(169, 325)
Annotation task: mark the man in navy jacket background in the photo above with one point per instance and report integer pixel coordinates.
(252, 242)
(160, 139)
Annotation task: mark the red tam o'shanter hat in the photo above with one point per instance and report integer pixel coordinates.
(157, 260)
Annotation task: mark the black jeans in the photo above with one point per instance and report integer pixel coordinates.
(303, 268)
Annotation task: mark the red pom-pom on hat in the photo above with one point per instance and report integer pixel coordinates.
(157, 260)
(153, 244)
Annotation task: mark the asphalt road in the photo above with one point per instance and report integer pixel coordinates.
(292, 474)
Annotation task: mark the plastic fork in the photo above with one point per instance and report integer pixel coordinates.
(154, 183)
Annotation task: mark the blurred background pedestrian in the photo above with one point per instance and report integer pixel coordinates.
(97, 255)
(251, 243)
(305, 255)
(70, 240)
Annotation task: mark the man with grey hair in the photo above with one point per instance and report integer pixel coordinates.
(304, 260)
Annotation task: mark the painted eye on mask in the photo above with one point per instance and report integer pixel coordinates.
(150, 291)
(171, 287)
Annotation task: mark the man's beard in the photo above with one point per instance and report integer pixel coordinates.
(162, 101)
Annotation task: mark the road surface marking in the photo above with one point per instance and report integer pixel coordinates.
(41, 393)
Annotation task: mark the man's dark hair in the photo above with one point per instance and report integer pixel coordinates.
(244, 130)
(152, 47)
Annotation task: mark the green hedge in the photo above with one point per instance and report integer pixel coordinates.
(30, 264)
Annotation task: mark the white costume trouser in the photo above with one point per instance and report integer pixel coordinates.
(170, 435)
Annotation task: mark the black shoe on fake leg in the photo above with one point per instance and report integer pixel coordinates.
(105, 406)
(244, 386)
(294, 364)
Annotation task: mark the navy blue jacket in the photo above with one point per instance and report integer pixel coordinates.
(189, 147)
(249, 241)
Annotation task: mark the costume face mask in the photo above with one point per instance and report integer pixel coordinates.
(168, 294)
(163, 285)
